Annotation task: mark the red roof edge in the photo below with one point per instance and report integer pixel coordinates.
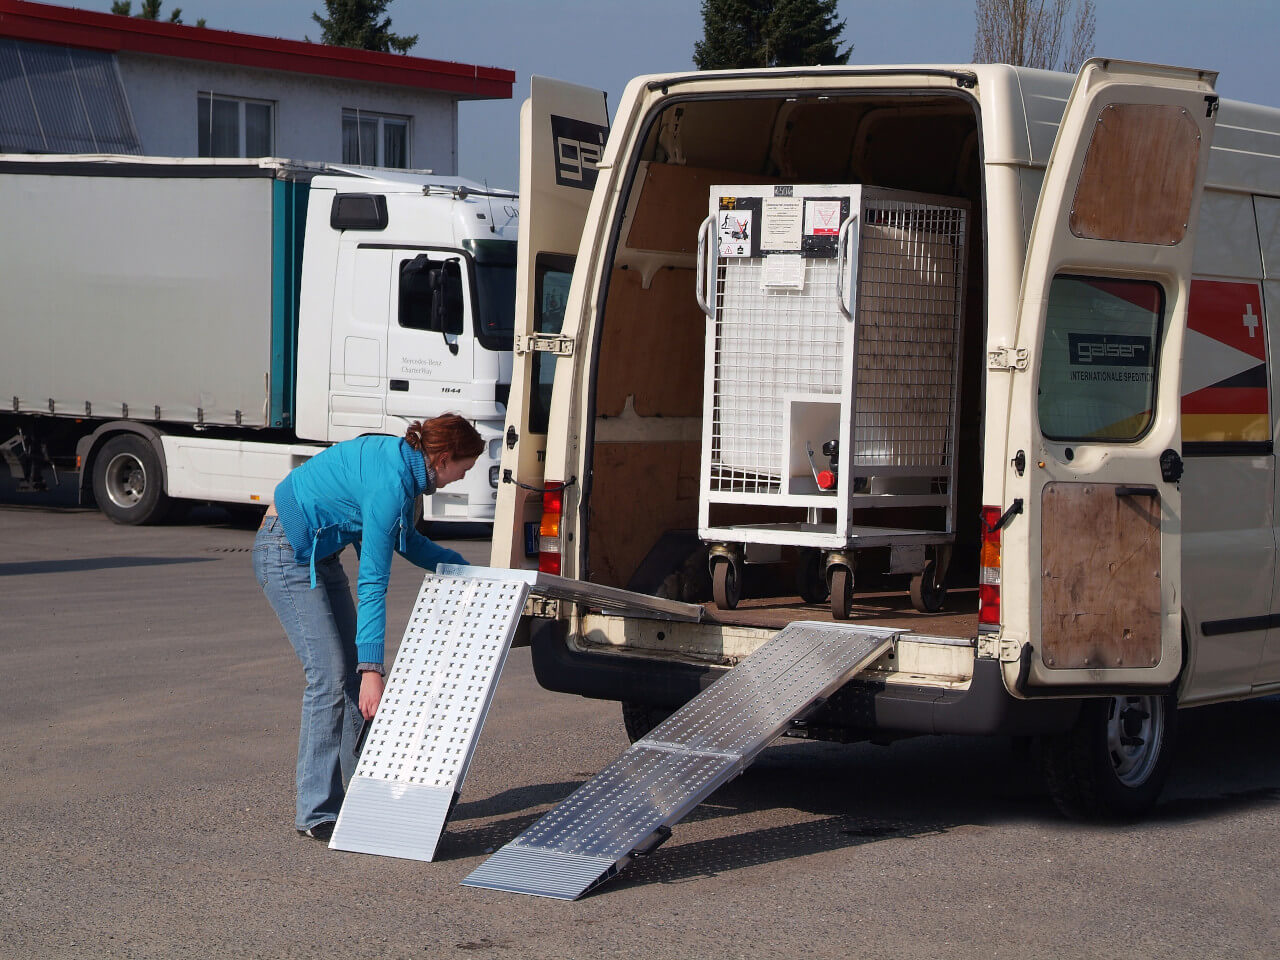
(45, 23)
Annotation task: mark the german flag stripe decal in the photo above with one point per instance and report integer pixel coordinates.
(1224, 381)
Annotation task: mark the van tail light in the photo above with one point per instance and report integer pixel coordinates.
(989, 575)
(549, 531)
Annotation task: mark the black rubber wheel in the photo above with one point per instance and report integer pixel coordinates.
(640, 718)
(841, 592)
(1113, 763)
(811, 584)
(726, 587)
(927, 594)
(127, 481)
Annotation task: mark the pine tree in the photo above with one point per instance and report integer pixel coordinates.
(150, 11)
(355, 23)
(769, 33)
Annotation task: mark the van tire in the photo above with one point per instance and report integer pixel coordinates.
(1092, 774)
(640, 718)
(127, 481)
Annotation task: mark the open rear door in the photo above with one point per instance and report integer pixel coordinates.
(562, 134)
(1095, 437)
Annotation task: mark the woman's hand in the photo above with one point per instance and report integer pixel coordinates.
(371, 685)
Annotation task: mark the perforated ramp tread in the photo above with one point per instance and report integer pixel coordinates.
(630, 806)
(437, 695)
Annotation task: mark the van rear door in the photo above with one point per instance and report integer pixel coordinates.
(562, 134)
(1094, 441)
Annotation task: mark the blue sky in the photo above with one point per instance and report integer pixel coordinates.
(604, 43)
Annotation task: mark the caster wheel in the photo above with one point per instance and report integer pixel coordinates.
(726, 586)
(810, 582)
(927, 594)
(841, 592)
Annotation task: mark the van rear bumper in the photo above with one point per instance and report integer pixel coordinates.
(860, 708)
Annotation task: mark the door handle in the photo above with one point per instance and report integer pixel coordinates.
(1138, 492)
(401, 385)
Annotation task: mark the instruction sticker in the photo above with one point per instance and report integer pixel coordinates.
(783, 219)
(783, 271)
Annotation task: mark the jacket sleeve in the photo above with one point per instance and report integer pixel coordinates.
(426, 553)
(379, 520)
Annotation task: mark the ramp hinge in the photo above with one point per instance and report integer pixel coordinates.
(1007, 358)
(545, 607)
(557, 344)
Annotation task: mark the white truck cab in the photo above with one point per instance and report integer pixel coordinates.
(1114, 552)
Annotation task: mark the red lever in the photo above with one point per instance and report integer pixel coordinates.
(826, 479)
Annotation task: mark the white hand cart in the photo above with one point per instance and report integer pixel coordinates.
(832, 382)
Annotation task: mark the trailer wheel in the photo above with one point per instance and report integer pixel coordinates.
(841, 592)
(127, 482)
(927, 594)
(640, 718)
(811, 584)
(1113, 763)
(726, 584)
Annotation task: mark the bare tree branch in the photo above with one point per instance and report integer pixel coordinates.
(1030, 33)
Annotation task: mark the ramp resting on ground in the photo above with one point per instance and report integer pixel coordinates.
(629, 808)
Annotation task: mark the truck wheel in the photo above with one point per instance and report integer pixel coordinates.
(841, 592)
(640, 718)
(927, 594)
(1113, 763)
(726, 584)
(127, 482)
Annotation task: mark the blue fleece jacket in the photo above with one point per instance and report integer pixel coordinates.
(361, 491)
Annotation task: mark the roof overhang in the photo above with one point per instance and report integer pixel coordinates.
(45, 23)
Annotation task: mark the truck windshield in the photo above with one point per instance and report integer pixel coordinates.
(495, 263)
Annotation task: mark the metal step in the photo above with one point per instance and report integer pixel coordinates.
(438, 692)
(608, 599)
(629, 808)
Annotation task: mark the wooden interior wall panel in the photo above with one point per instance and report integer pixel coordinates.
(673, 203)
(1138, 176)
(651, 346)
(1100, 578)
(639, 491)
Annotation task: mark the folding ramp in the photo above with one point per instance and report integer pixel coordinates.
(629, 808)
(438, 692)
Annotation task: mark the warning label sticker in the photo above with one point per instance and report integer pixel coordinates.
(782, 223)
(822, 218)
(736, 231)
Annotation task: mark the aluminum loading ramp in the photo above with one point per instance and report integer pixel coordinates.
(438, 692)
(629, 808)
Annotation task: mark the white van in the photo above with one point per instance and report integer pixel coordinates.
(1118, 226)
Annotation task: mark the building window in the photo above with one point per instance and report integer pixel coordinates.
(233, 127)
(375, 139)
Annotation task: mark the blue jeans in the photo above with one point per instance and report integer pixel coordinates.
(321, 625)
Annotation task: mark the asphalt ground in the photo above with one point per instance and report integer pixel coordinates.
(146, 796)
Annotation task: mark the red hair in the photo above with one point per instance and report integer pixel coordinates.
(447, 434)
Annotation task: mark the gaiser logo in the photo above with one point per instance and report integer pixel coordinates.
(1109, 350)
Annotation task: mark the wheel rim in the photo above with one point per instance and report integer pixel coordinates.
(1135, 734)
(126, 480)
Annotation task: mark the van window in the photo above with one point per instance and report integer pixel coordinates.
(1098, 366)
(551, 291)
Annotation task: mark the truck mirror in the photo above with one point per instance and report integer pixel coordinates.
(447, 311)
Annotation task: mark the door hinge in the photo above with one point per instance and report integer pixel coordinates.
(557, 344)
(545, 607)
(1007, 358)
(998, 648)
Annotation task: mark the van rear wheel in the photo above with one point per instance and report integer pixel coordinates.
(1113, 763)
(640, 718)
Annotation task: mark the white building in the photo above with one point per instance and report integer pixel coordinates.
(77, 81)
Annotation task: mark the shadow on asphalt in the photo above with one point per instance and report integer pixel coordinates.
(81, 564)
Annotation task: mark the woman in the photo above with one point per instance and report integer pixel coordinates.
(360, 491)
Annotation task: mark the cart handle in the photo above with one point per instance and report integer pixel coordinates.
(842, 257)
(700, 285)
